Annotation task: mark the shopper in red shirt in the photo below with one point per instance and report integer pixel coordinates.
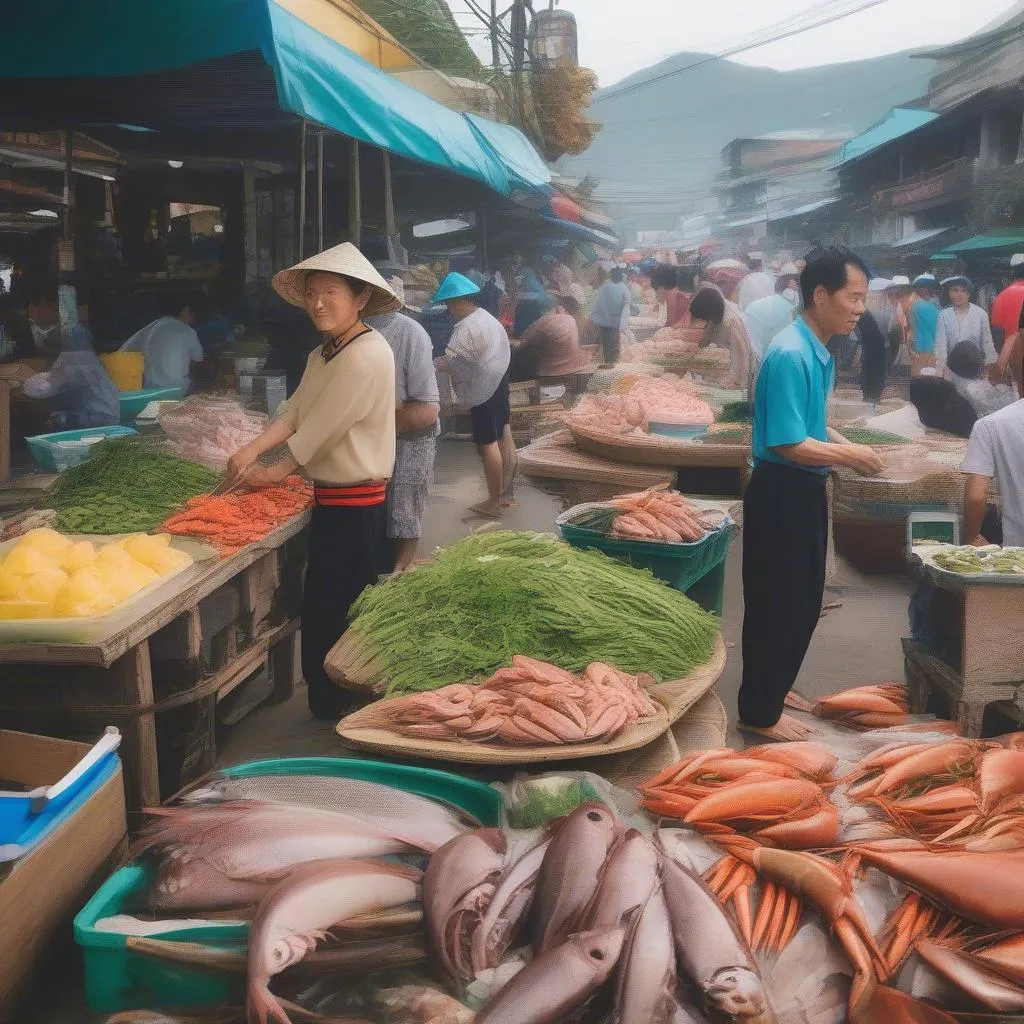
(1007, 306)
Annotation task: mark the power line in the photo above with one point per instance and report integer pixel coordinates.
(732, 52)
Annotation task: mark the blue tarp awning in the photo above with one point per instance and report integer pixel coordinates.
(315, 78)
(898, 122)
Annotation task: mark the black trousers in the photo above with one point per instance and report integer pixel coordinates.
(611, 344)
(346, 555)
(785, 537)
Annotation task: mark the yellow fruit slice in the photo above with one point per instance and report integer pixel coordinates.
(17, 609)
(25, 559)
(48, 541)
(82, 555)
(43, 586)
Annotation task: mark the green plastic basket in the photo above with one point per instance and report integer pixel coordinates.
(118, 977)
(683, 566)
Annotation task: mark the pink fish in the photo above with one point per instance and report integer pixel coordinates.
(300, 910)
(558, 982)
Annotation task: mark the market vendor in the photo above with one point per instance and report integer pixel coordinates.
(339, 428)
(551, 347)
(477, 358)
(416, 426)
(170, 345)
(962, 321)
(995, 452)
(785, 509)
(76, 388)
(724, 327)
(610, 313)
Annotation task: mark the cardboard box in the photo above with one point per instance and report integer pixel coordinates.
(41, 892)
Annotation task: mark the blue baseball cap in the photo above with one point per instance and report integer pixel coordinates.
(455, 286)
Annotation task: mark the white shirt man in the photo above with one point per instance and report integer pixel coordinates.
(996, 450)
(169, 345)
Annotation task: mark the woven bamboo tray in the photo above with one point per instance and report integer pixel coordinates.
(676, 697)
(654, 450)
(556, 457)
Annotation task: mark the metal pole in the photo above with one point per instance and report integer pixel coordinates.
(390, 223)
(485, 263)
(320, 192)
(69, 182)
(355, 197)
(302, 191)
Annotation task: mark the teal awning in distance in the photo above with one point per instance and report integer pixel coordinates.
(998, 238)
(898, 122)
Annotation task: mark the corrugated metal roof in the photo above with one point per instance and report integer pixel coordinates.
(898, 122)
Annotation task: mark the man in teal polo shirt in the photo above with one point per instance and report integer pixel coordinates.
(785, 510)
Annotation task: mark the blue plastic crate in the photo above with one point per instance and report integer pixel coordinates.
(46, 450)
(133, 402)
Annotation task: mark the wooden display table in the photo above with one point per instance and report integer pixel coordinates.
(989, 619)
(160, 679)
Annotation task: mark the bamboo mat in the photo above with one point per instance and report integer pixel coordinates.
(556, 457)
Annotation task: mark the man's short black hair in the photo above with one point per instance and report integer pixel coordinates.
(966, 361)
(664, 276)
(617, 275)
(1017, 271)
(826, 268)
(708, 305)
(38, 292)
(686, 279)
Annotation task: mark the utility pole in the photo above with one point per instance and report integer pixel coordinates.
(495, 51)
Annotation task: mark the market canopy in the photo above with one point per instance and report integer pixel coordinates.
(999, 238)
(898, 122)
(223, 64)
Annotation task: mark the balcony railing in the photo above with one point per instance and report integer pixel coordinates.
(951, 181)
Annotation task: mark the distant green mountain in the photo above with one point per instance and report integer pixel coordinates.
(660, 147)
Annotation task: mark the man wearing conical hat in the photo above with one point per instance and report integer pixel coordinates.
(339, 429)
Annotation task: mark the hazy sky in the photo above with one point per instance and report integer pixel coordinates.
(618, 37)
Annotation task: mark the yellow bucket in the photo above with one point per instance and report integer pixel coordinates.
(125, 369)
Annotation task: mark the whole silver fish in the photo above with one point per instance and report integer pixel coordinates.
(252, 840)
(708, 947)
(628, 877)
(458, 886)
(647, 969)
(509, 905)
(298, 912)
(417, 820)
(568, 877)
(559, 982)
(187, 883)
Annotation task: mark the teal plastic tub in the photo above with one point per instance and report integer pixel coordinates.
(697, 569)
(133, 402)
(51, 455)
(119, 976)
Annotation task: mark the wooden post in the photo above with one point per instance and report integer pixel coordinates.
(250, 216)
(5, 430)
(301, 234)
(319, 192)
(138, 750)
(485, 263)
(69, 182)
(390, 222)
(355, 196)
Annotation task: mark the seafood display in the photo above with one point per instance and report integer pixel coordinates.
(235, 520)
(528, 703)
(495, 595)
(210, 430)
(653, 515)
(640, 400)
(870, 875)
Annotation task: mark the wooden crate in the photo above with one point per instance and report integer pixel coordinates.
(239, 618)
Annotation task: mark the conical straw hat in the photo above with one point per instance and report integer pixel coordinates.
(344, 259)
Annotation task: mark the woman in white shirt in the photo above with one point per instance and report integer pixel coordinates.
(962, 321)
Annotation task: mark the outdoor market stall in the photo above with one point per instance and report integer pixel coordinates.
(968, 644)
(84, 647)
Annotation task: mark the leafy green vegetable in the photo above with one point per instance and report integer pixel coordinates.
(127, 485)
(866, 435)
(495, 595)
(737, 412)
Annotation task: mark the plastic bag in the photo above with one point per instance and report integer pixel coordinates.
(532, 800)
